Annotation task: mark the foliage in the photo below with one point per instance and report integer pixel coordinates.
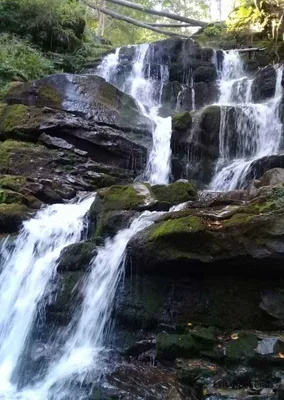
(53, 25)
(20, 61)
(264, 16)
(212, 30)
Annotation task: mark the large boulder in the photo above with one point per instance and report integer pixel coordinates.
(88, 95)
(195, 240)
(263, 86)
(114, 207)
(200, 141)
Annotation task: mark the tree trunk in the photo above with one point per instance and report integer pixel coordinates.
(126, 3)
(133, 21)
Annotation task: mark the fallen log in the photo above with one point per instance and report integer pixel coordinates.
(133, 21)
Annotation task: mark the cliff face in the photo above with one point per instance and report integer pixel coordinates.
(202, 299)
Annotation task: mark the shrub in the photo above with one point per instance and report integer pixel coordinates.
(53, 25)
(20, 61)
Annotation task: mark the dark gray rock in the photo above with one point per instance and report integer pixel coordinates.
(263, 86)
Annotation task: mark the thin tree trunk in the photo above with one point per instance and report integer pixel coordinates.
(100, 29)
(126, 3)
(133, 21)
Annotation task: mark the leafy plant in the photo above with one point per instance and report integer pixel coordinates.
(20, 61)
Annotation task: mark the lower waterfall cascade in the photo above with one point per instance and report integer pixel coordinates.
(258, 126)
(26, 273)
(83, 351)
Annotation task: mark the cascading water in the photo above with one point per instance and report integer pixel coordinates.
(257, 129)
(148, 94)
(84, 350)
(26, 273)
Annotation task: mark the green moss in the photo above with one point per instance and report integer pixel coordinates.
(243, 347)
(182, 121)
(176, 226)
(11, 217)
(178, 192)
(76, 257)
(238, 218)
(50, 94)
(15, 183)
(9, 197)
(121, 198)
(171, 346)
(15, 115)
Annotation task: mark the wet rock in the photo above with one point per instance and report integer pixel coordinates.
(54, 142)
(203, 240)
(258, 167)
(12, 217)
(263, 86)
(244, 346)
(272, 177)
(205, 74)
(205, 93)
(190, 371)
(273, 303)
(77, 257)
(87, 95)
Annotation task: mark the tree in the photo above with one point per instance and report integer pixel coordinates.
(263, 16)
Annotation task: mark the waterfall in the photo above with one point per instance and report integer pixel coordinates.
(147, 92)
(257, 128)
(25, 276)
(84, 349)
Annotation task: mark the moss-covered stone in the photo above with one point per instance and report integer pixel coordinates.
(15, 183)
(50, 95)
(178, 226)
(19, 121)
(176, 193)
(244, 346)
(76, 257)
(200, 236)
(182, 121)
(120, 198)
(11, 217)
(171, 346)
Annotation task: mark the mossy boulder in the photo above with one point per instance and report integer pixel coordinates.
(115, 206)
(171, 346)
(12, 217)
(182, 121)
(86, 94)
(176, 193)
(77, 256)
(194, 239)
(242, 347)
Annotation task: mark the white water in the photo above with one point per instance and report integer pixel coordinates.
(26, 274)
(148, 94)
(84, 350)
(257, 130)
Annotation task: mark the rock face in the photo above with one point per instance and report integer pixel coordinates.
(197, 239)
(67, 133)
(190, 67)
(263, 86)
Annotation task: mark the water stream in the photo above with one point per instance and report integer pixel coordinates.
(26, 272)
(256, 131)
(84, 351)
(147, 92)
